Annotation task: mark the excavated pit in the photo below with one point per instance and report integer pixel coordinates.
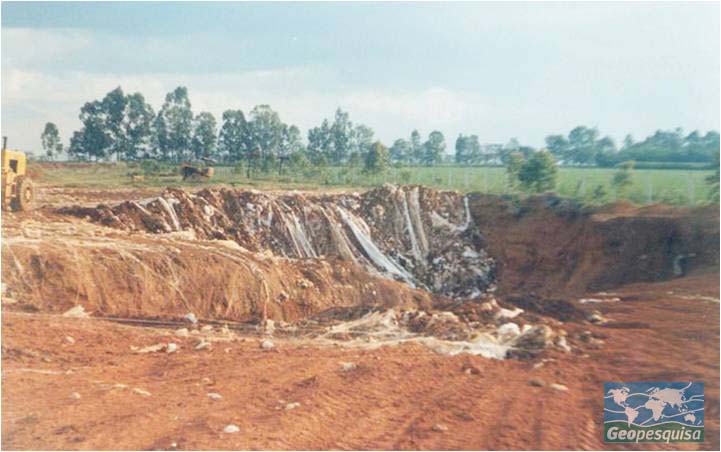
(391, 265)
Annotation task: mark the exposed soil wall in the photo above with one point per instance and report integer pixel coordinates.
(552, 246)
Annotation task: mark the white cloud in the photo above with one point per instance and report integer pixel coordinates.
(23, 47)
(439, 106)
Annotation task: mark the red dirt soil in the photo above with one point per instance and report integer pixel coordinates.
(401, 397)
(392, 400)
(553, 246)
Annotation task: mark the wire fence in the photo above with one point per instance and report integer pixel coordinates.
(647, 186)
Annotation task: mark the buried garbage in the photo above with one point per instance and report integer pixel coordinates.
(444, 332)
(416, 235)
(408, 263)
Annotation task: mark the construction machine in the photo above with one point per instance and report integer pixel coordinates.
(18, 192)
(195, 172)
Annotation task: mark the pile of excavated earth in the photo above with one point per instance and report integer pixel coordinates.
(458, 274)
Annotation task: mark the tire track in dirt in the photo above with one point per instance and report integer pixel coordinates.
(391, 400)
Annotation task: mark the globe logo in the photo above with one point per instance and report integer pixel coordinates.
(661, 412)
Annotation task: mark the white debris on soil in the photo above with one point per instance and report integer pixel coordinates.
(70, 340)
(207, 329)
(77, 312)
(508, 332)
(202, 345)
(440, 428)
(75, 396)
(598, 300)
(562, 344)
(446, 333)
(292, 406)
(267, 344)
(182, 332)
(171, 347)
(149, 348)
(269, 327)
(141, 392)
(558, 387)
(345, 366)
(509, 313)
(596, 318)
(190, 317)
(231, 428)
(377, 329)
(214, 396)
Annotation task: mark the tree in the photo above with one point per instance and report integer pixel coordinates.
(376, 159)
(558, 145)
(514, 162)
(461, 149)
(113, 108)
(582, 145)
(139, 133)
(416, 147)
(628, 141)
(50, 139)
(509, 149)
(299, 162)
(539, 173)
(204, 135)
(290, 142)
(400, 151)
(117, 125)
(342, 134)
(363, 139)
(232, 134)
(713, 181)
(93, 141)
(468, 149)
(174, 125)
(434, 148)
(265, 132)
(605, 151)
(319, 143)
(622, 178)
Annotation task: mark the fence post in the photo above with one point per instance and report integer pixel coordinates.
(649, 187)
(691, 190)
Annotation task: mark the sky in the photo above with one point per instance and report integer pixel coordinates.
(523, 70)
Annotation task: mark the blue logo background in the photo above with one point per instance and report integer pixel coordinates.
(647, 404)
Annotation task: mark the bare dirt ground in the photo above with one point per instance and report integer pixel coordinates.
(403, 397)
(78, 383)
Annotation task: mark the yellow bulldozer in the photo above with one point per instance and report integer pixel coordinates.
(18, 192)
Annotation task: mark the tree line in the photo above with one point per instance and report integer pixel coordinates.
(125, 127)
(584, 146)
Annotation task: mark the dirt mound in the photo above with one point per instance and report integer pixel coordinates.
(552, 246)
(412, 234)
(52, 267)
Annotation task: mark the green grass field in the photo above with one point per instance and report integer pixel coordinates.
(678, 187)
